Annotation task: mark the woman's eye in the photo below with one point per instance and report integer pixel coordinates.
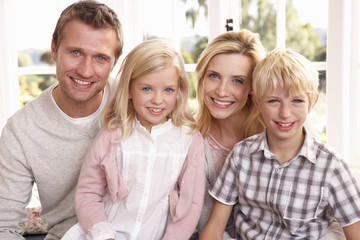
(238, 80)
(147, 89)
(213, 75)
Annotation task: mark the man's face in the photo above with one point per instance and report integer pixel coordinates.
(84, 59)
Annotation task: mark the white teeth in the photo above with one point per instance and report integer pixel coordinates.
(284, 124)
(222, 103)
(156, 109)
(81, 82)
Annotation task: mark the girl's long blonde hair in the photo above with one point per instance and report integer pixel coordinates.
(148, 57)
(242, 42)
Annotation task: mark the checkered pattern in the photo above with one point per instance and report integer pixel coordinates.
(295, 200)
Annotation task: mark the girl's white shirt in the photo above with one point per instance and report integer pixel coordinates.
(150, 164)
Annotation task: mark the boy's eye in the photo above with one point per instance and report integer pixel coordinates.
(298, 100)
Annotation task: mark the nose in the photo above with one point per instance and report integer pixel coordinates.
(285, 110)
(157, 98)
(221, 89)
(85, 68)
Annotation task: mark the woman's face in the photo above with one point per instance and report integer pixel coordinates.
(227, 84)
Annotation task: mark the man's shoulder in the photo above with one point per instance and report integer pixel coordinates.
(33, 106)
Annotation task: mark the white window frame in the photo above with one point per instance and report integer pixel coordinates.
(342, 64)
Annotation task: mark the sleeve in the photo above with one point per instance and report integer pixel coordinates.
(344, 195)
(225, 187)
(186, 203)
(99, 175)
(16, 182)
(101, 231)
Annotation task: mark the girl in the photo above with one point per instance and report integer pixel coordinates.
(143, 177)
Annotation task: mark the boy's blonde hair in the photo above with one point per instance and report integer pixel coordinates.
(285, 68)
(242, 42)
(148, 57)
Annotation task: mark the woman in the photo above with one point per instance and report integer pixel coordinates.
(226, 113)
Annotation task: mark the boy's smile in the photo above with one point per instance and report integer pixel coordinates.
(284, 115)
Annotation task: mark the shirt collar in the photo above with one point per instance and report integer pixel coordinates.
(156, 130)
(308, 150)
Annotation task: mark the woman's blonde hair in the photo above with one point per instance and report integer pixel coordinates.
(242, 42)
(148, 57)
(285, 68)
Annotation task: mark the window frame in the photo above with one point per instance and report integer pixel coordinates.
(342, 63)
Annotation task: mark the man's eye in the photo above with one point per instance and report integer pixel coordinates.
(101, 58)
(147, 89)
(76, 52)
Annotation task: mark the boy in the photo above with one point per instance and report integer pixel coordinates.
(283, 183)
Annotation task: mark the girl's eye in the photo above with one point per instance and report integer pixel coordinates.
(273, 101)
(169, 90)
(147, 89)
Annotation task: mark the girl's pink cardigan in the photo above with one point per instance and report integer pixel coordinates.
(102, 176)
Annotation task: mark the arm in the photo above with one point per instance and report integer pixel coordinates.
(215, 227)
(352, 232)
(16, 182)
(186, 203)
(93, 185)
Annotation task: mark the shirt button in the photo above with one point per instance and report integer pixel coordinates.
(278, 170)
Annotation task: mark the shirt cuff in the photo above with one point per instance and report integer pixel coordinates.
(100, 231)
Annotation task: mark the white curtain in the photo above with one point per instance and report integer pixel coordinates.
(9, 83)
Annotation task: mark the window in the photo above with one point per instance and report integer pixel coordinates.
(341, 68)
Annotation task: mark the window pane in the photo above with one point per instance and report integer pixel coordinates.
(306, 28)
(33, 85)
(260, 17)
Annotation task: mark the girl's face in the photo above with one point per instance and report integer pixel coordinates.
(227, 84)
(154, 96)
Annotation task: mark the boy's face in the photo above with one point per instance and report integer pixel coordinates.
(283, 115)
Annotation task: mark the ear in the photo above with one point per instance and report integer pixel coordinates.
(53, 50)
(314, 103)
(116, 60)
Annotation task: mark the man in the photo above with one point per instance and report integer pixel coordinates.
(46, 141)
